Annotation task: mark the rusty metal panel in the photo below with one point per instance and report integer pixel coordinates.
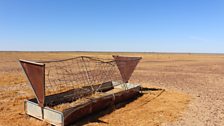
(102, 102)
(35, 73)
(73, 114)
(126, 66)
(132, 91)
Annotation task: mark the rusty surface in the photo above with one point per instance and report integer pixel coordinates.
(74, 114)
(126, 94)
(36, 76)
(71, 115)
(102, 102)
(78, 72)
(74, 78)
(126, 66)
(74, 94)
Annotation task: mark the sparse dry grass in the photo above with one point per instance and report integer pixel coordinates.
(154, 69)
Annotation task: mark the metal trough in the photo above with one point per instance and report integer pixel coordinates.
(62, 82)
(71, 115)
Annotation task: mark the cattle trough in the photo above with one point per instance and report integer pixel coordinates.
(67, 90)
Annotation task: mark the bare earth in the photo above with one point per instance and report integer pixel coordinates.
(193, 93)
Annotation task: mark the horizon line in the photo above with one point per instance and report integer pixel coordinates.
(44, 51)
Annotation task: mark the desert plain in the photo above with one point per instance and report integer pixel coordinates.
(186, 90)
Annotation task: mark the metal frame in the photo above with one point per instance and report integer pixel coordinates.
(125, 65)
(58, 118)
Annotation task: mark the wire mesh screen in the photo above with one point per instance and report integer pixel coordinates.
(62, 75)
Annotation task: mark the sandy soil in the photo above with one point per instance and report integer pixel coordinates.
(153, 108)
(202, 78)
(193, 86)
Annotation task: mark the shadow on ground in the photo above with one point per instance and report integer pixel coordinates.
(94, 117)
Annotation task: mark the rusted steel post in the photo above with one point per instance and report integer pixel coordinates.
(35, 73)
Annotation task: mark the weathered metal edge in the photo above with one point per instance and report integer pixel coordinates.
(27, 79)
(35, 63)
(131, 87)
(42, 113)
(31, 62)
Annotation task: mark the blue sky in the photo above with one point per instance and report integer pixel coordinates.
(112, 25)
